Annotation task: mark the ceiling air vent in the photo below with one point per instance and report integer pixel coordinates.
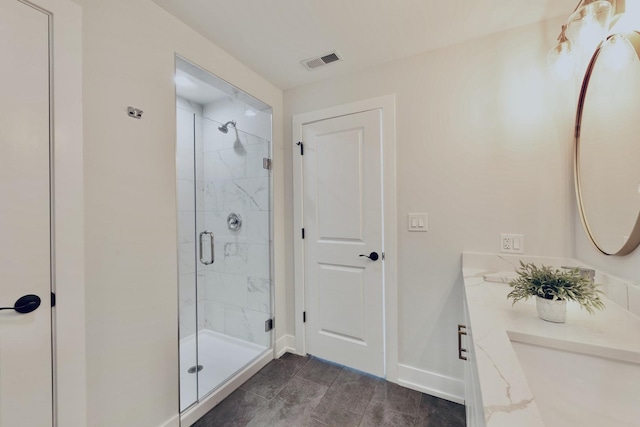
(321, 61)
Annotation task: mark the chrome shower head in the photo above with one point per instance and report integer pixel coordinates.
(224, 128)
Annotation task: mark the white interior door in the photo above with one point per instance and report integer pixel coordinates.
(342, 217)
(25, 339)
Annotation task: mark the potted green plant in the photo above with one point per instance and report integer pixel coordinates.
(552, 288)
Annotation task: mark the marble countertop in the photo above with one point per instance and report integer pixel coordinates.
(495, 322)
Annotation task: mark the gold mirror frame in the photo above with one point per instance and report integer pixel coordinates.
(634, 238)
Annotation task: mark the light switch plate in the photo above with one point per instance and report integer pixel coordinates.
(417, 222)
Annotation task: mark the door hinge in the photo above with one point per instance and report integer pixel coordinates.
(303, 233)
(266, 163)
(53, 299)
(383, 255)
(268, 324)
(304, 317)
(301, 147)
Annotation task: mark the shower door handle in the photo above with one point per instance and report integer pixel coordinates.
(213, 256)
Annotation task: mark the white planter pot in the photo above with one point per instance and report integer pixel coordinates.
(552, 310)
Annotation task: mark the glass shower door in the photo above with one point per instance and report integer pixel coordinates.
(187, 123)
(233, 269)
(224, 230)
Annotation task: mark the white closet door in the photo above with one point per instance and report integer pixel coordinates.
(25, 258)
(343, 221)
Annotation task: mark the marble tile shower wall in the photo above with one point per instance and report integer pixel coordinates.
(237, 287)
(219, 174)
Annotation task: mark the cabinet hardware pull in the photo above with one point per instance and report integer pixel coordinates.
(460, 349)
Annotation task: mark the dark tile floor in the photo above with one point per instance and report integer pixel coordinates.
(296, 391)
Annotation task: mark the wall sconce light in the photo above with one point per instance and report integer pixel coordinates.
(561, 59)
(585, 29)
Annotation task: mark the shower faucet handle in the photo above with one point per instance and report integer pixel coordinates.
(234, 221)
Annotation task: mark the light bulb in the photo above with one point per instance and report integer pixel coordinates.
(617, 53)
(562, 62)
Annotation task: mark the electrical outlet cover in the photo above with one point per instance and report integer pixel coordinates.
(512, 243)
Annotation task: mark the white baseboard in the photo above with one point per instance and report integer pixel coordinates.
(285, 343)
(431, 383)
(173, 422)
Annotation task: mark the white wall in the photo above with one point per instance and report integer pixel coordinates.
(627, 267)
(130, 204)
(483, 146)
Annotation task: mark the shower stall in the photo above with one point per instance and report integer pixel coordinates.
(224, 231)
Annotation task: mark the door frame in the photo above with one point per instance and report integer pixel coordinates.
(68, 329)
(387, 105)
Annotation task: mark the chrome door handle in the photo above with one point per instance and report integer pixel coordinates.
(213, 256)
(25, 304)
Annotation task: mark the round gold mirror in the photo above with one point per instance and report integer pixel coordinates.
(607, 146)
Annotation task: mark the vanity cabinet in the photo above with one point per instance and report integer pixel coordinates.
(472, 394)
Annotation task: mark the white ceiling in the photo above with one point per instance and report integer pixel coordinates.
(273, 36)
(195, 90)
(199, 86)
